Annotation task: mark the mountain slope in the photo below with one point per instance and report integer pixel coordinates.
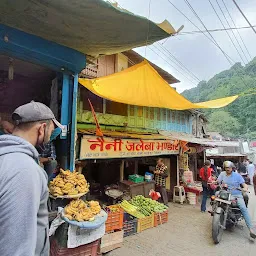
(236, 80)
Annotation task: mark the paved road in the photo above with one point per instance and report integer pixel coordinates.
(188, 233)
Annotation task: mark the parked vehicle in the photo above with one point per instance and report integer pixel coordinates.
(225, 211)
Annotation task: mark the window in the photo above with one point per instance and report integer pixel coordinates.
(178, 118)
(140, 111)
(173, 116)
(152, 113)
(169, 115)
(182, 118)
(164, 115)
(158, 114)
(132, 111)
(96, 101)
(116, 108)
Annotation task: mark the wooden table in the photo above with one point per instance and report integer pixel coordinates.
(135, 189)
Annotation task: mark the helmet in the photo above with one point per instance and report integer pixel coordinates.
(228, 164)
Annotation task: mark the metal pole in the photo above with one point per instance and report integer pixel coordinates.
(178, 171)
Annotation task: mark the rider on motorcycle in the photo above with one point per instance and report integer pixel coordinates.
(233, 181)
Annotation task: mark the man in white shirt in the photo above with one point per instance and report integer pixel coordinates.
(251, 171)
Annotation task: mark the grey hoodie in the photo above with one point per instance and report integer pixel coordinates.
(23, 200)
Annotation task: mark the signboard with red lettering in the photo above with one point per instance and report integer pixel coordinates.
(93, 147)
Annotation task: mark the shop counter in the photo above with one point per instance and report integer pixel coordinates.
(135, 189)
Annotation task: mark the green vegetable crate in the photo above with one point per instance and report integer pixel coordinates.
(145, 223)
(136, 178)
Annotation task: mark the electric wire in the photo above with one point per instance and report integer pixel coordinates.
(204, 32)
(237, 29)
(226, 31)
(232, 31)
(210, 30)
(237, 6)
(192, 9)
(179, 63)
(226, 56)
(172, 66)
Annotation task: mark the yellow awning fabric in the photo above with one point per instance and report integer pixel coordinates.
(141, 85)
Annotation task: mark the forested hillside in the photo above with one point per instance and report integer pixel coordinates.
(239, 118)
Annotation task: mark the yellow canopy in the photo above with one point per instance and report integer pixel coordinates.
(141, 85)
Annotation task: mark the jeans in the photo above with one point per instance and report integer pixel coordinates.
(244, 210)
(50, 168)
(206, 192)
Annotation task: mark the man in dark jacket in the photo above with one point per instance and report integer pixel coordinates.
(23, 183)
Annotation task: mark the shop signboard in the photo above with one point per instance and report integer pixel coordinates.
(93, 147)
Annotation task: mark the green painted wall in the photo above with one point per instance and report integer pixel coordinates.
(138, 119)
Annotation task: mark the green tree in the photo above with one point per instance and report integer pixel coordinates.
(237, 80)
(221, 121)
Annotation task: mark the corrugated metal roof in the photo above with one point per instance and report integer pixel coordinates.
(93, 27)
(225, 155)
(185, 137)
(190, 138)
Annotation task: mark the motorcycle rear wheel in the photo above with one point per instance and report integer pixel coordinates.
(217, 230)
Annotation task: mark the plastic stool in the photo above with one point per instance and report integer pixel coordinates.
(179, 194)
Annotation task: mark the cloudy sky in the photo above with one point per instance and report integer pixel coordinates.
(195, 51)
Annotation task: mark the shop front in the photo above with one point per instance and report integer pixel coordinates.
(32, 68)
(117, 160)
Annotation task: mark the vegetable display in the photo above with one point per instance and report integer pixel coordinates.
(79, 210)
(113, 208)
(147, 206)
(131, 209)
(68, 183)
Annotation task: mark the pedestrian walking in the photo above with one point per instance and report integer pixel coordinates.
(205, 173)
(251, 171)
(254, 183)
(23, 183)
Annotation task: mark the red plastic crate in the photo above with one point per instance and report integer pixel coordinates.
(115, 220)
(160, 218)
(83, 250)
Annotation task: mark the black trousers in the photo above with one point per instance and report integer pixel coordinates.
(162, 191)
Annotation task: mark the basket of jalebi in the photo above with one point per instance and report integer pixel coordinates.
(84, 214)
(68, 184)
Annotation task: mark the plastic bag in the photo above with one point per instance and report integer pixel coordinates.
(154, 195)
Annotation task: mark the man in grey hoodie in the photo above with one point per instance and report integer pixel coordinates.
(23, 183)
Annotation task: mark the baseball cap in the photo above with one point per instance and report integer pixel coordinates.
(33, 112)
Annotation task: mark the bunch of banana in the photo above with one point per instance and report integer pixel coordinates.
(79, 210)
(68, 183)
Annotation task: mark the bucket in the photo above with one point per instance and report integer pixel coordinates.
(191, 198)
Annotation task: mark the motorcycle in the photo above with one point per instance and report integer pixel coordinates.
(225, 211)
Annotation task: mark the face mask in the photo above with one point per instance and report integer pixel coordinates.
(56, 132)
